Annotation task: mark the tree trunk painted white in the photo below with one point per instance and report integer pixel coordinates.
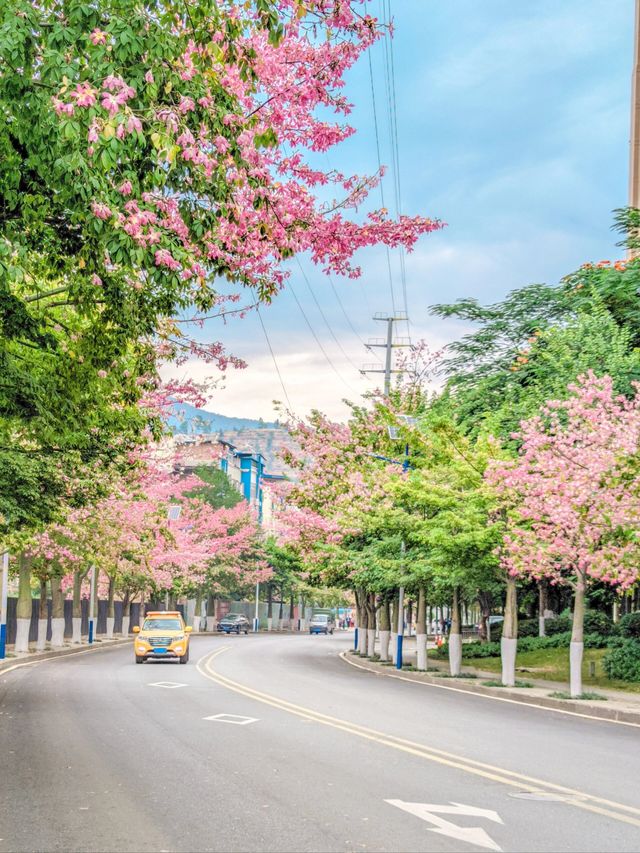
(362, 641)
(23, 605)
(41, 642)
(384, 644)
(508, 649)
(421, 631)
(126, 621)
(303, 625)
(455, 653)
(22, 635)
(455, 636)
(57, 632)
(76, 636)
(195, 623)
(269, 623)
(110, 626)
(509, 640)
(421, 647)
(576, 651)
(371, 641)
(576, 647)
(211, 623)
(393, 642)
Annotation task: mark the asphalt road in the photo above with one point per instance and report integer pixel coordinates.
(321, 756)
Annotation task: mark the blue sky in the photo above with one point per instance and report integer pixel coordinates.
(513, 125)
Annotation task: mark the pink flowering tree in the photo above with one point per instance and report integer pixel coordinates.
(574, 497)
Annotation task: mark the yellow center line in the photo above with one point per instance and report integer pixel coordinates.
(510, 778)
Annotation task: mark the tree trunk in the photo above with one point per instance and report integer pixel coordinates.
(394, 628)
(485, 600)
(281, 612)
(24, 605)
(76, 619)
(576, 647)
(269, 607)
(371, 624)
(421, 631)
(57, 613)
(409, 617)
(303, 610)
(363, 622)
(455, 637)
(43, 620)
(509, 641)
(126, 613)
(197, 612)
(211, 613)
(542, 605)
(384, 625)
(292, 612)
(111, 609)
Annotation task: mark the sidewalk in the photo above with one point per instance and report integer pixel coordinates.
(620, 706)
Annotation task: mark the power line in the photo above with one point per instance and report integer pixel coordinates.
(346, 316)
(392, 111)
(317, 340)
(275, 363)
(377, 136)
(324, 317)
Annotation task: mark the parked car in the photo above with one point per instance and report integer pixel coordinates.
(234, 622)
(321, 623)
(163, 636)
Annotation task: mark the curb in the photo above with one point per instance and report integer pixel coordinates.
(579, 708)
(38, 657)
(10, 664)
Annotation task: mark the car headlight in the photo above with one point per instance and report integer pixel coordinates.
(178, 639)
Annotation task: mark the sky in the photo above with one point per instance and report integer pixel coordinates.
(513, 128)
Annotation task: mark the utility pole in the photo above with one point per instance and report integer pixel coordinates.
(634, 146)
(388, 344)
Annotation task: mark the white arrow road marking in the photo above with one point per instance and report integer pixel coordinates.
(168, 684)
(470, 834)
(236, 719)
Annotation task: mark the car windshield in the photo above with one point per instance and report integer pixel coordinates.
(232, 617)
(321, 618)
(162, 625)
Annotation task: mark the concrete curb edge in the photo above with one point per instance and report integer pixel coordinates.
(581, 708)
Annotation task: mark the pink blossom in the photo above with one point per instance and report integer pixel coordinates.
(101, 210)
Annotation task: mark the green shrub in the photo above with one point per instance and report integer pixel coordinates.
(528, 627)
(558, 625)
(622, 661)
(630, 625)
(476, 649)
(597, 622)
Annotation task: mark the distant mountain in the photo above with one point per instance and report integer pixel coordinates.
(189, 420)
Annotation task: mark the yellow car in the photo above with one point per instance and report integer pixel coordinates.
(163, 635)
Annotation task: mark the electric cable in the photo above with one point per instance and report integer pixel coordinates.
(318, 341)
(324, 317)
(273, 357)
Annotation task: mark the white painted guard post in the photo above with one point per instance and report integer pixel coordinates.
(3, 609)
(256, 618)
(92, 596)
(400, 624)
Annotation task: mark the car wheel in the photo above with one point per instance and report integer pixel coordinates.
(246, 631)
(185, 657)
(139, 658)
